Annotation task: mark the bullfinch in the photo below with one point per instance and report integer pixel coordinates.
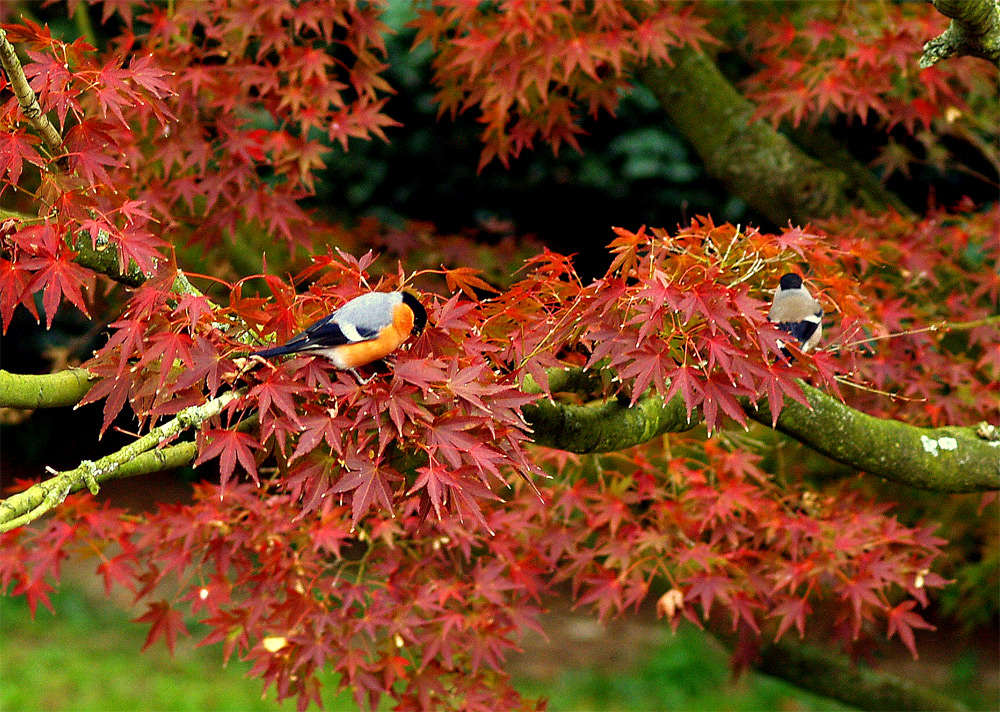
(364, 330)
(795, 312)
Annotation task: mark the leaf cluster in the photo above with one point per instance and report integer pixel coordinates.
(404, 533)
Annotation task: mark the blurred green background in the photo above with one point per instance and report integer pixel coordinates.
(86, 658)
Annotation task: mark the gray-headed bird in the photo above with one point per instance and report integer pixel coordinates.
(795, 312)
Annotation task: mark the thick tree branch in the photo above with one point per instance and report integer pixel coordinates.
(50, 390)
(104, 260)
(607, 426)
(94, 255)
(751, 158)
(949, 459)
(974, 31)
(139, 457)
(836, 676)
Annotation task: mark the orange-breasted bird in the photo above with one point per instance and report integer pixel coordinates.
(364, 330)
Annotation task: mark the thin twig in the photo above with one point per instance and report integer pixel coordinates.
(940, 326)
(871, 389)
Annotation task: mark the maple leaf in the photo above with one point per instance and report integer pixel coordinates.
(708, 588)
(229, 446)
(144, 72)
(14, 281)
(903, 620)
(135, 243)
(467, 280)
(92, 148)
(451, 438)
(118, 569)
(275, 398)
(792, 610)
(437, 481)
(367, 483)
(17, 147)
(165, 349)
(164, 621)
(685, 380)
(58, 277)
(719, 394)
(36, 590)
(625, 247)
(605, 590)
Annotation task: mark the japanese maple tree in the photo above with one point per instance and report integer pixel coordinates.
(612, 434)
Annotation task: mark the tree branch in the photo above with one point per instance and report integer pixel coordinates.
(949, 459)
(139, 457)
(607, 426)
(51, 390)
(26, 96)
(96, 255)
(55, 390)
(835, 676)
(738, 151)
(974, 31)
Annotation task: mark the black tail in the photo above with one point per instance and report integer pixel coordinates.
(275, 351)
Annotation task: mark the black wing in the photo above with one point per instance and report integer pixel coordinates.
(799, 330)
(325, 333)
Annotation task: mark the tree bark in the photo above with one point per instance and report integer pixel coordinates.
(974, 31)
(753, 160)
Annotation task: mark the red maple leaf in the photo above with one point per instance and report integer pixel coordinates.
(229, 446)
(165, 622)
(903, 620)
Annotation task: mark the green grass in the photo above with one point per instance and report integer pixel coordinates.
(683, 672)
(87, 657)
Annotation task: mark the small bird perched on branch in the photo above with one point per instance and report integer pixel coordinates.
(795, 312)
(364, 330)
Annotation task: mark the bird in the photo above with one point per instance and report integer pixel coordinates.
(365, 329)
(795, 312)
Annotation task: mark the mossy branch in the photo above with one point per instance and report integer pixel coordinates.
(139, 457)
(738, 151)
(98, 255)
(50, 390)
(973, 31)
(948, 459)
(26, 96)
(836, 676)
(607, 426)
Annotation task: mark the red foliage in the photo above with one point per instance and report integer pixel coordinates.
(403, 534)
(859, 61)
(532, 67)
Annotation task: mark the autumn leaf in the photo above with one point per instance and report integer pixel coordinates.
(164, 622)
